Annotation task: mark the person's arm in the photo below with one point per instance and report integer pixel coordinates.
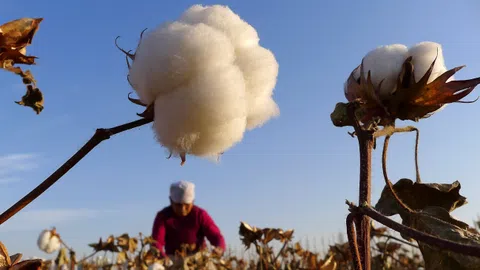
(158, 233)
(212, 232)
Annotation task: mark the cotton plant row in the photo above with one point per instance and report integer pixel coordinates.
(126, 252)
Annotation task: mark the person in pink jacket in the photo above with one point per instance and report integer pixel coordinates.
(182, 222)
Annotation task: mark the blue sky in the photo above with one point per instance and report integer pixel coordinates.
(294, 172)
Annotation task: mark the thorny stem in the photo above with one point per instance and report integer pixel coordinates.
(415, 234)
(100, 135)
(351, 234)
(366, 142)
(385, 176)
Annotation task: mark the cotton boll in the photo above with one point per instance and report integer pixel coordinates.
(224, 19)
(423, 55)
(260, 70)
(47, 242)
(170, 55)
(385, 63)
(205, 117)
(156, 266)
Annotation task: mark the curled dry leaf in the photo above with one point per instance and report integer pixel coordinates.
(249, 234)
(15, 36)
(438, 222)
(127, 243)
(419, 196)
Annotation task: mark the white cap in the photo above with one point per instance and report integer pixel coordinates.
(182, 192)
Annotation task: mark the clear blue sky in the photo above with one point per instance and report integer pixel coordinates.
(295, 172)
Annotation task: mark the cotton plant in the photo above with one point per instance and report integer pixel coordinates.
(396, 82)
(49, 241)
(205, 79)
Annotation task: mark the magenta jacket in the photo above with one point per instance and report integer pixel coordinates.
(171, 231)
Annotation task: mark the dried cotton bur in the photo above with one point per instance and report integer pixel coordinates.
(15, 36)
(205, 80)
(13, 262)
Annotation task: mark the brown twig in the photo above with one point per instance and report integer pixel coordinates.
(352, 239)
(385, 176)
(366, 142)
(100, 135)
(397, 239)
(418, 235)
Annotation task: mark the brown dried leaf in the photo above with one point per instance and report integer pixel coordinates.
(18, 33)
(33, 98)
(438, 222)
(27, 265)
(127, 243)
(4, 257)
(419, 196)
(249, 234)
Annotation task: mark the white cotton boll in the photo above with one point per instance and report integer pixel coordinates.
(156, 266)
(423, 55)
(224, 19)
(48, 243)
(205, 117)
(260, 70)
(168, 57)
(385, 63)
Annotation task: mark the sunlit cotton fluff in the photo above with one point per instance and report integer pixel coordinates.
(156, 266)
(385, 63)
(209, 78)
(47, 242)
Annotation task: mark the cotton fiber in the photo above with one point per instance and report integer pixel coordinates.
(48, 242)
(208, 78)
(385, 64)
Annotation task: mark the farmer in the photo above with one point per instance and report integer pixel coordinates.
(185, 223)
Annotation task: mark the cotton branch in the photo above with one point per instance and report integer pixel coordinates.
(100, 135)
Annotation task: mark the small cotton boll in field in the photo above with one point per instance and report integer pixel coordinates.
(205, 117)
(385, 63)
(47, 242)
(224, 19)
(260, 70)
(423, 55)
(156, 266)
(168, 57)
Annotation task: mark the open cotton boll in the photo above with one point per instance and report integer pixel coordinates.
(260, 70)
(156, 266)
(385, 63)
(423, 55)
(224, 19)
(171, 55)
(47, 242)
(205, 117)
